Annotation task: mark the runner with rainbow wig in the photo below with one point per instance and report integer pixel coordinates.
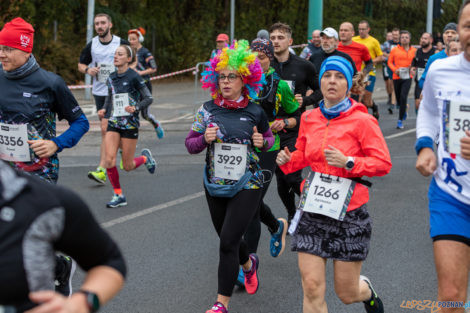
(230, 126)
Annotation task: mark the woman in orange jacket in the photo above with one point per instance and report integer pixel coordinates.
(399, 61)
(341, 143)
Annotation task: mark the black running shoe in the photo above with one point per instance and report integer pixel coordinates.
(375, 111)
(63, 280)
(374, 304)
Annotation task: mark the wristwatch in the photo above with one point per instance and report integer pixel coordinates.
(286, 121)
(92, 300)
(86, 70)
(349, 163)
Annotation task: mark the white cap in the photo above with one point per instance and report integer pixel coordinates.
(330, 32)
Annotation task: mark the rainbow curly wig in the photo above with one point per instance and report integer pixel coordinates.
(240, 58)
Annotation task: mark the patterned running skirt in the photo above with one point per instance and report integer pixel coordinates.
(346, 240)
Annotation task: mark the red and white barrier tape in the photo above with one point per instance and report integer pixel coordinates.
(299, 46)
(152, 78)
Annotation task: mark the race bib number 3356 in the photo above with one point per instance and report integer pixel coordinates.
(13, 143)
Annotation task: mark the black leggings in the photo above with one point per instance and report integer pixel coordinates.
(268, 163)
(231, 217)
(146, 112)
(402, 88)
(287, 186)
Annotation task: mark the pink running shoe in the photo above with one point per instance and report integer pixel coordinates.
(251, 278)
(217, 308)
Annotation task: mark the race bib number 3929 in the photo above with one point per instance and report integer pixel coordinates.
(13, 143)
(459, 122)
(229, 160)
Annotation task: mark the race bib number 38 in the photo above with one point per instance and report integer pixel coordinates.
(229, 160)
(13, 143)
(459, 122)
(328, 195)
(120, 102)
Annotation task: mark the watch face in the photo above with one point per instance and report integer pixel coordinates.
(93, 301)
(350, 164)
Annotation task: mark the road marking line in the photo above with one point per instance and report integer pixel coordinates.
(401, 134)
(156, 208)
(176, 119)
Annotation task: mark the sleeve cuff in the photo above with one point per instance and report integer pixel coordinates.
(58, 144)
(424, 142)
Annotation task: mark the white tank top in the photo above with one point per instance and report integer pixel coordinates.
(102, 54)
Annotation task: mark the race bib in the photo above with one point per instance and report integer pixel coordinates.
(459, 122)
(404, 72)
(327, 195)
(120, 102)
(105, 71)
(13, 143)
(229, 160)
(291, 84)
(419, 73)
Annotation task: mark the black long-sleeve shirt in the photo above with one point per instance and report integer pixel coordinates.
(36, 220)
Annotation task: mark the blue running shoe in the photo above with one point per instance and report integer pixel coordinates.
(117, 201)
(400, 124)
(278, 239)
(240, 279)
(151, 164)
(159, 130)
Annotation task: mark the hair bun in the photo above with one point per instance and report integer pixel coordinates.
(141, 30)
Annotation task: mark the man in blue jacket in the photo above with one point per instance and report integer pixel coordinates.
(30, 99)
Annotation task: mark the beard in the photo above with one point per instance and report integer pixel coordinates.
(105, 33)
(424, 46)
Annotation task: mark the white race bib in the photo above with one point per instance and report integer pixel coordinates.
(459, 122)
(291, 84)
(328, 195)
(14, 143)
(404, 72)
(229, 160)
(105, 70)
(420, 72)
(120, 102)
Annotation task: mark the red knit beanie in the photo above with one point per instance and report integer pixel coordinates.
(18, 34)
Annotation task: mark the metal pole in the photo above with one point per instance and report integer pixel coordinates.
(232, 19)
(315, 16)
(89, 36)
(55, 30)
(429, 16)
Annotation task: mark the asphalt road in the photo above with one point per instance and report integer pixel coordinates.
(171, 247)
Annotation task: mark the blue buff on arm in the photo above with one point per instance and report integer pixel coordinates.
(424, 142)
(72, 135)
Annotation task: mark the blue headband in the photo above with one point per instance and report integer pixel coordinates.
(340, 64)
